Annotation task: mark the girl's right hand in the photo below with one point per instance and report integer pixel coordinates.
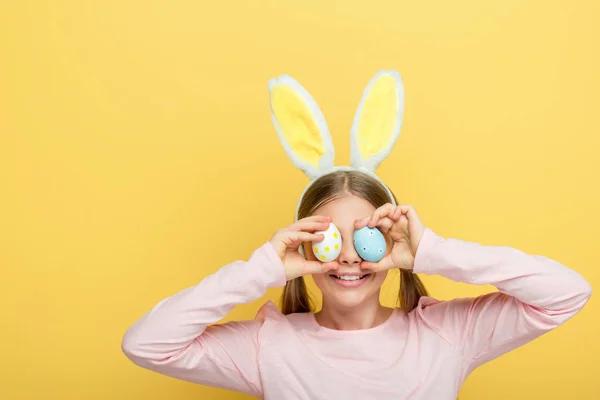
(286, 242)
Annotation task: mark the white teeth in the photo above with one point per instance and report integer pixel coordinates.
(348, 277)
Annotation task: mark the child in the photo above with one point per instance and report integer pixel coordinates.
(354, 347)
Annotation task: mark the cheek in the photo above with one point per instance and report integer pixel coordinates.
(380, 278)
(319, 280)
(322, 284)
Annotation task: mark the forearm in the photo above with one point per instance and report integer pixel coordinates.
(535, 280)
(175, 322)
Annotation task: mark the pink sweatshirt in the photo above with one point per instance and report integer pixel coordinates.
(425, 354)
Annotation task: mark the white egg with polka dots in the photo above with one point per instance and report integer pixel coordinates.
(330, 247)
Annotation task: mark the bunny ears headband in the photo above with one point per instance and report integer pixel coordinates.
(305, 136)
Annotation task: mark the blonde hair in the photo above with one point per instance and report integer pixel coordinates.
(295, 297)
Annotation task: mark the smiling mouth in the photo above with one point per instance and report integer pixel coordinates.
(350, 277)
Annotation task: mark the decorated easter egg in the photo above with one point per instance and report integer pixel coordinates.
(369, 244)
(330, 247)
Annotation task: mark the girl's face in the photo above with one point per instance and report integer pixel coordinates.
(343, 293)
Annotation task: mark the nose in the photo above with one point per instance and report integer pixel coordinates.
(348, 256)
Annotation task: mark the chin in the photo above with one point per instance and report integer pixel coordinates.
(349, 290)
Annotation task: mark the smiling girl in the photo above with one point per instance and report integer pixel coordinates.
(353, 347)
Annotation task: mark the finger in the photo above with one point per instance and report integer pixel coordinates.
(385, 224)
(403, 220)
(372, 219)
(384, 264)
(387, 210)
(408, 210)
(408, 216)
(295, 238)
(361, 223)
(309, 226)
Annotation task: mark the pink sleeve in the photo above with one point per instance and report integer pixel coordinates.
(535, 294)
(174, 338)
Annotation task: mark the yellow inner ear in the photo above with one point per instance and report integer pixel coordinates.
(378, 117)
(297, 124)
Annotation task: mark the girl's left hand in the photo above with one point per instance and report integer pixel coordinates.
(404, 227)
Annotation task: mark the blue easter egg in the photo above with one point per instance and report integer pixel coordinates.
(369, 244)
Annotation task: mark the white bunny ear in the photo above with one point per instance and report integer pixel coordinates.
(377, 122)
(301, 126)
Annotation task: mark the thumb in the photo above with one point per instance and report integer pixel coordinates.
(381, 265)
(404, 222)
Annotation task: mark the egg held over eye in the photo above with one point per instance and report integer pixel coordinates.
(369, 244)
(330, 247)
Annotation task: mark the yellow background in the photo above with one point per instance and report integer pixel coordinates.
(137, 153)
